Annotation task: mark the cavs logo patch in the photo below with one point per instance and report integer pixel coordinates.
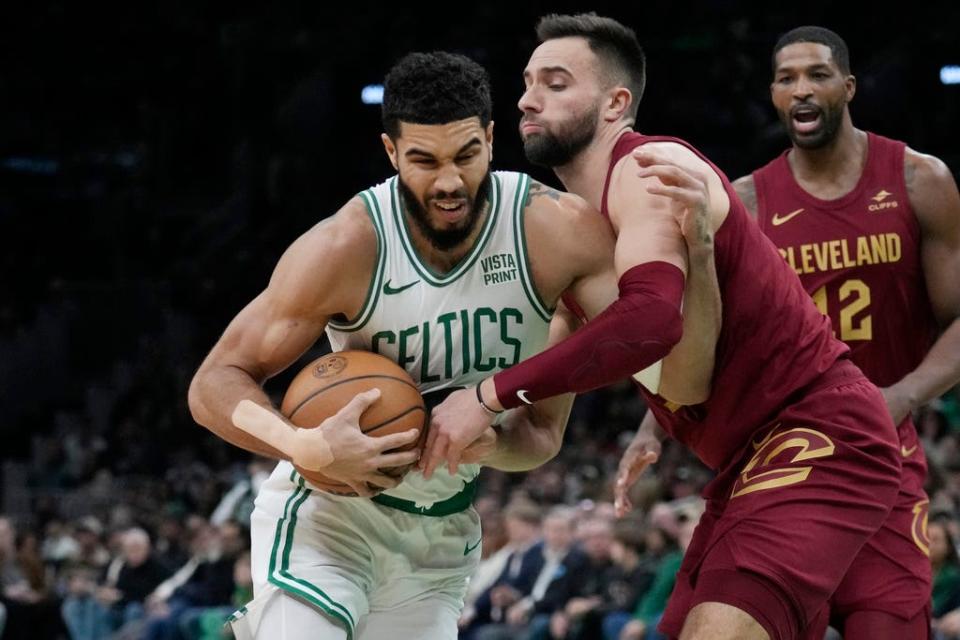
(774, 463)
(919, 528)
(329, 366)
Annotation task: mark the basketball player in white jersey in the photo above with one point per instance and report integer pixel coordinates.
(454, 272)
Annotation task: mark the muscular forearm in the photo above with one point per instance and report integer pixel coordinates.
(651, 428)
(939, 371)
(687, 371)
(215, 393)
(528, 439)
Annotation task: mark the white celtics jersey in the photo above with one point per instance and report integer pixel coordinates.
(452, 329)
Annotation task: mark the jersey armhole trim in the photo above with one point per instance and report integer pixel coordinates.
(373, 291)
(520, 242)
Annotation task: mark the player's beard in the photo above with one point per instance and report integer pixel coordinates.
(556, 149)
(446, 239)
(831, 117)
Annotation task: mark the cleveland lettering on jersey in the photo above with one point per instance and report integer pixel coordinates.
(843, 253)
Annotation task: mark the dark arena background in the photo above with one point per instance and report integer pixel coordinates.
(157, 157)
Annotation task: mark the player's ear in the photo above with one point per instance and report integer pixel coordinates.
(619, 100)
(851, 86)
(391, 150)
(489, 136)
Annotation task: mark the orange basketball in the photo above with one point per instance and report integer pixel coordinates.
(327, 384)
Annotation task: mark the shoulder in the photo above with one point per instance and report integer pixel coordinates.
(554, 211)
(676, 152)
(746, 188)
(923, 171)
(347, 231)
(931, 189)
(339, 251)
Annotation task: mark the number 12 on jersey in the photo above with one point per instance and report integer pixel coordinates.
(854, 296)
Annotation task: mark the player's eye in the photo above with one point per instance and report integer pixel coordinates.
(557, 87)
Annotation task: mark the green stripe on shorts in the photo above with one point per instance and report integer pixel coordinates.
(282, 578)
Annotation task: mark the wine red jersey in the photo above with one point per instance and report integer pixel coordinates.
(859, 258)
(773, 342)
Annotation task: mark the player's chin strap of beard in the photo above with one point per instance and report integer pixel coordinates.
(639, 328)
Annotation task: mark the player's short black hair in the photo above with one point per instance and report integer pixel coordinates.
(819, 35)
(435, 88)
(615, 44)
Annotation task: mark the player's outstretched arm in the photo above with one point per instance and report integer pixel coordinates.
(316, 278)
(529, 436)
(936, 203)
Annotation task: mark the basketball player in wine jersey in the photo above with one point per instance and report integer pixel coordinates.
(872, 228)
(806, 454)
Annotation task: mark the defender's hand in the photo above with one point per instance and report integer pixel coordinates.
(454, 425)
(481, 448)
(689, 195)
(643, 451)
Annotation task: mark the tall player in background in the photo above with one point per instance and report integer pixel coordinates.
(872, 228)
(452, 271)
(806, 453)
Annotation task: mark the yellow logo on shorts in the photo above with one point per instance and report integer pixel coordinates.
(810, 445)
(919, 529)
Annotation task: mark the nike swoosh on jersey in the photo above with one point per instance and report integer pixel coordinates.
(779, 220)
(388, 290)
(467, 548)
(906, 453)
(522, 394)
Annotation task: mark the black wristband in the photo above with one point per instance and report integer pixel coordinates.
(483, 404)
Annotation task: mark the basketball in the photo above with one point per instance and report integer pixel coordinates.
(327, 384)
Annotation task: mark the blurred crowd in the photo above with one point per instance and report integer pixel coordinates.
(108, 551)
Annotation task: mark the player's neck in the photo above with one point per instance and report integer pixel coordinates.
(842, 160)
(586, 174)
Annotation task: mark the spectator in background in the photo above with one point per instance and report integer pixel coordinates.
(629, 579)
(96, 610)
(651, 605)
(91, 552)
(205, 581)
(208, 624)
(546, 582)
(576, 619)
(522, 519)
(169, 544)
(32, 612)
(946, 578)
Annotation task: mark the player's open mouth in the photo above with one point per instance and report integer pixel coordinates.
(451, 210)
(805, 119)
